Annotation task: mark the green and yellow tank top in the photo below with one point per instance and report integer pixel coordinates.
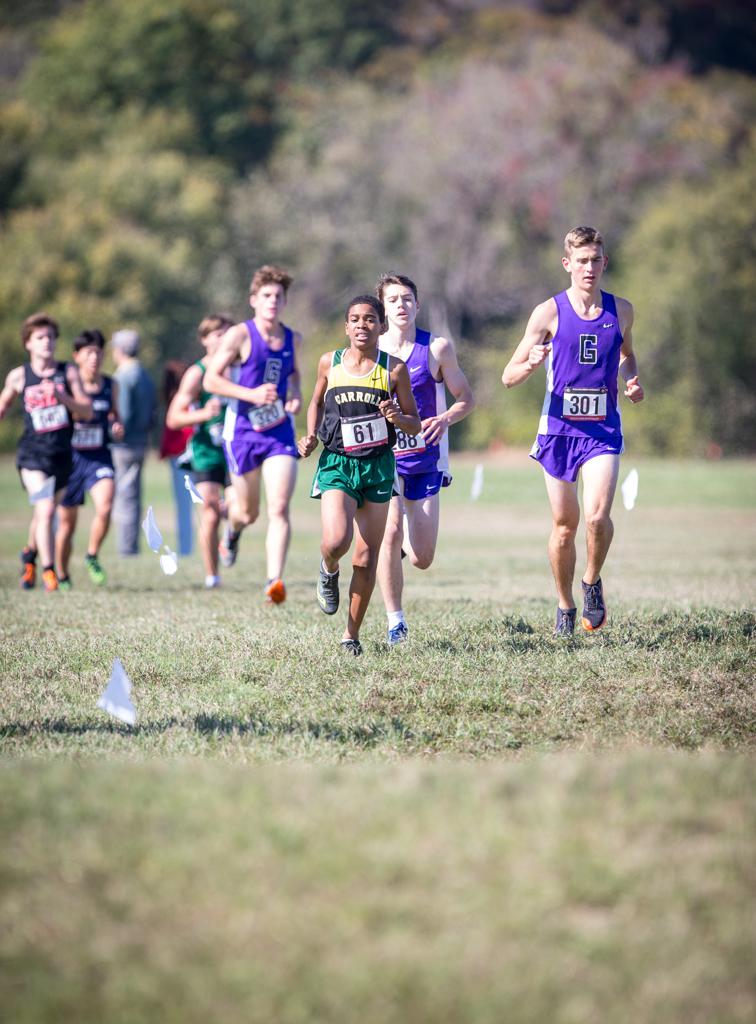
(207, 440)
(352, 423)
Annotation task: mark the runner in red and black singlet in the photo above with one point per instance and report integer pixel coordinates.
(52, 396)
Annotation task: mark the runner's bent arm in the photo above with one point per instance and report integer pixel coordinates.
(78, 403)
(180, 413)
(405, 416)
(628, 367)
(229, 352)
(534, 347)
(434, 427)
(14, 384)
(309, 442)
(294, 395)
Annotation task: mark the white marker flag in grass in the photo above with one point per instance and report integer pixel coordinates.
(169, 562)
(477, 484)
(47, 490)
(196, 497)
(116, 699)
(151, 532)
(168, 559)
(630, 489)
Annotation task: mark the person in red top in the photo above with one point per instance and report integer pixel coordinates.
(173, 445)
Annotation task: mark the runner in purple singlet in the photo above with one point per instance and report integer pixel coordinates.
(586, 336)
(422, 462)
(263, 393)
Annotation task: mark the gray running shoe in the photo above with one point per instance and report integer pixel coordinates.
(594, 609)
(352, 646)
(397, 634)
(228, 548)
(328, 591)
(565, 622)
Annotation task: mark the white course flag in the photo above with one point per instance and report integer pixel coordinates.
(630, 489)
(47, 490)
(197, 498)
(151, 532)
(116, 699)
(477, 484)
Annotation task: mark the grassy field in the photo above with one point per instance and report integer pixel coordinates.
(483, 825)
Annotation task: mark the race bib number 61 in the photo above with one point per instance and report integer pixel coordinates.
(360, 432)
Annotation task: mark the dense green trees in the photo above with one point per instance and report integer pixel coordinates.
(152, 153)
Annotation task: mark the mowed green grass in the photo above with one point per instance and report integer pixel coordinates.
(483, 825)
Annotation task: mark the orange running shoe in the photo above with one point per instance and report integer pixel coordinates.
(28, 569)
(50, 580)
(28, 575)
(275, 592)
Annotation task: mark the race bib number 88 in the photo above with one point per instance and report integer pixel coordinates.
(361, 432)
(408, 444)
(584, 404)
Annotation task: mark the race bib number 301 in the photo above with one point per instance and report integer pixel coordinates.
(265, 417)
(584, 404)
(360, 432)
(51, 417)
(408, 444)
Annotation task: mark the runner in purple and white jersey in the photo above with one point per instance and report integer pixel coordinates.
(263, 393)
(422, 461)
(586, 336)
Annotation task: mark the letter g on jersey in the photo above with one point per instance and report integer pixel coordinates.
(588, 352)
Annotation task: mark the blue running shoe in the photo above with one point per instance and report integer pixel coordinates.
(397, 634)
(565, 622)
(594, 609)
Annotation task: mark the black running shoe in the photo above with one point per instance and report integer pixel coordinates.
(328, 591)
(565, 622)
(594, 609)
(352, 646)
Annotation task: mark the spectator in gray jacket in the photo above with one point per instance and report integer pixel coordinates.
(137, 404)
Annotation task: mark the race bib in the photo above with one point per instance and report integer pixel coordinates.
(408, 444)
(264, 417)
(216, 433)
(584, 404)
(360, 432)
(50, 417)
(85, 437)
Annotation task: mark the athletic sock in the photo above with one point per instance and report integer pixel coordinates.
(394, 618)
(47, 568)
(323, 569)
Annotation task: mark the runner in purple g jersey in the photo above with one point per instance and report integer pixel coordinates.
(263, 393)
(586, 336)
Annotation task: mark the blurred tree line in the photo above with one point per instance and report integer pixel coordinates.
(153, 153)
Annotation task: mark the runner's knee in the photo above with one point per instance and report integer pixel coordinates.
(246, 516)
(366, 558)
(422, 558)
(597, 522)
